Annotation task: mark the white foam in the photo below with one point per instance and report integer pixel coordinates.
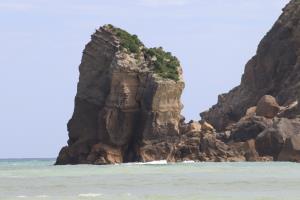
(90, 195)
(157, 162)
(21, 196)
(188, 161)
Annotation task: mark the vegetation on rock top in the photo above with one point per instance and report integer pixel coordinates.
(127, 41)
(165, 65)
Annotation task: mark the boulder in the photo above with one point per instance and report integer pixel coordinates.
(272, 140)
(248, 128)
(267, 106)
(291, 149)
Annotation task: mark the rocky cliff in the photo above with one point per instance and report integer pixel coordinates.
(264, 107)
(274, 70)
(127, 106)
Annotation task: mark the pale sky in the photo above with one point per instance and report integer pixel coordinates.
(42, 42)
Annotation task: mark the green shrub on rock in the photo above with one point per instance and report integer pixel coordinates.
(164, 63)
(127, 41)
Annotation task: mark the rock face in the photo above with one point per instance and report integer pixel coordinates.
(274, 70)
(127, 106)
(122, 100)
(252, 111)
(291, 149)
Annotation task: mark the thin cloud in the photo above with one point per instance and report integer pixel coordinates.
(164, 2)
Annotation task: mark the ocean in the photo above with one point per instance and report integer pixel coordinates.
(40, 179)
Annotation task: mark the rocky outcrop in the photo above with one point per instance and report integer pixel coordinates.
(127, 95)
(127, 106)
(264, 107)
(274, 70)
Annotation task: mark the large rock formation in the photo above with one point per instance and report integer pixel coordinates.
(126, 94)
(274, 70)
(251, 111)
(127, 106)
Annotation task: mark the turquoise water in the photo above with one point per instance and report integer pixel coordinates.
(39, 179)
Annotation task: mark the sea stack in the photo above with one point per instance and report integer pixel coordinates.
(127, 95)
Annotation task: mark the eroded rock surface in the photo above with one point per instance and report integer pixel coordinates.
(274, 70)
(123, 98)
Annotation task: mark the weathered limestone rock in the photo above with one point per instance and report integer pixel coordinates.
(123, 97)
(267, 106)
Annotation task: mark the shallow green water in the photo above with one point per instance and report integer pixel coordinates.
(39, 179)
